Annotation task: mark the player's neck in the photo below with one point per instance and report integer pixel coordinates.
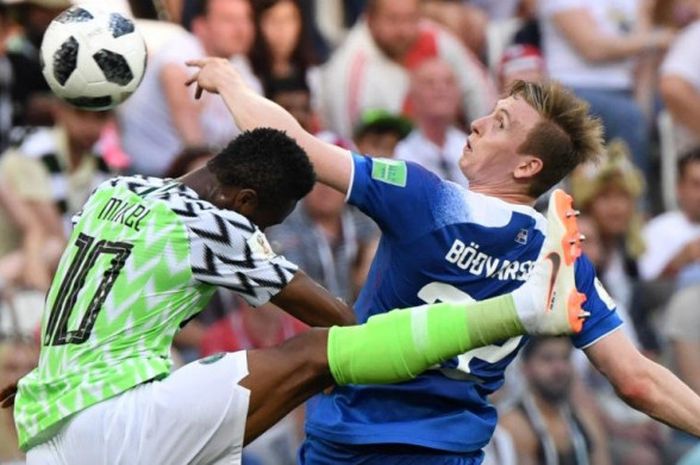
(506, 194)
(201, 182)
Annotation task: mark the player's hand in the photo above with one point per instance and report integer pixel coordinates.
(7, 395)
(212, 74)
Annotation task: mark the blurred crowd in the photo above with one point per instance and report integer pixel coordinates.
(390, 78)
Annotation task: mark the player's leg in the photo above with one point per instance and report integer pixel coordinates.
(400, 345)
(283, 377)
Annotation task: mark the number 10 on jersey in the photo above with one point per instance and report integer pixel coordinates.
(89, 251)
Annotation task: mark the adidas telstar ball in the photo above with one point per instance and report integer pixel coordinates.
(92, 58)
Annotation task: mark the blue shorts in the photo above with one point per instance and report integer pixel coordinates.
(316, 451)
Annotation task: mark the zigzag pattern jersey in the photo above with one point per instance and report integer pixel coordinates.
(146, 255)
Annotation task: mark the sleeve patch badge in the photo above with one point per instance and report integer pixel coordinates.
(260, 247)
(392, 172)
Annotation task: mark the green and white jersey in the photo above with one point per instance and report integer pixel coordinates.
(146, 254)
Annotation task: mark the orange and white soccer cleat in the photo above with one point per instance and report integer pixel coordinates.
(558, 303)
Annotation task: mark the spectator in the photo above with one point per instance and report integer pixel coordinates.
(680, 87)
(500, 450)
(436, 142)
(673, 238)
(520, 62)
(294, 95)
(26, 255)
(608, 192)
(378, 133)
(282, 47)
(22, 87)
(548, 428)
(371, 68)
(591, 47)
(58, 165)
(683, 331)
(328, 241)
(162, 118)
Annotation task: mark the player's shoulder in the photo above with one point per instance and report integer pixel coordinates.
(203, 217)
(136, 183)
(492, 212)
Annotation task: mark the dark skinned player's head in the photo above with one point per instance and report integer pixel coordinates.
(261, 174)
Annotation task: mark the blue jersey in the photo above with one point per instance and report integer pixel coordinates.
(441, 242)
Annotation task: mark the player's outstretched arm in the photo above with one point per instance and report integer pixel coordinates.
(333, 165)
(645, 385)
(308, 301)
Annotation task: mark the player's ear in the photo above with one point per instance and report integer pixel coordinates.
(528, 166)
(245, 202)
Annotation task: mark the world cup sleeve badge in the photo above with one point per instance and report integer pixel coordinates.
(260, 246)
(521, 238)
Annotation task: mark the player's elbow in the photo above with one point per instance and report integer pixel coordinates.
(637, 388)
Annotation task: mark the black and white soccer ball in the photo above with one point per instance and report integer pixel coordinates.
(93, 58)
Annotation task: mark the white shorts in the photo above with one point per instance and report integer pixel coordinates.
(195, 416)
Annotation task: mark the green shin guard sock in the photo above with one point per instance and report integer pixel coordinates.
(399, 345)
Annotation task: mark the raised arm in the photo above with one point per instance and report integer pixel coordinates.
(580, 29)
(333, 165)
(645, 385)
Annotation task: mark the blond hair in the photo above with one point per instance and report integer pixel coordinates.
(566, 136)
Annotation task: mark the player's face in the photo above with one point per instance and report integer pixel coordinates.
(549, 370)
(228, 28)
(491, 154)
(394, 26)
(266, 217)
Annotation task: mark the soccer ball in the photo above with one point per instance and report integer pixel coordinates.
(92, 58)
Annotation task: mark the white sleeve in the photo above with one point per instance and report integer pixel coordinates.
(182, 47)
(228, 250)
(683, 58)
(660, 249)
